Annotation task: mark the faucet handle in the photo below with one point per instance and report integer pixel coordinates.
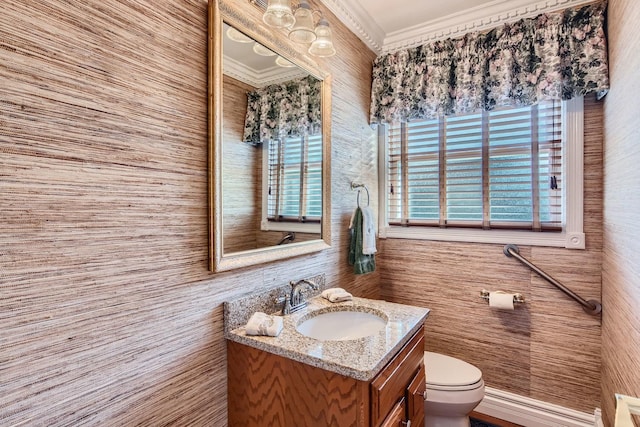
(286, 306)
(283, 301)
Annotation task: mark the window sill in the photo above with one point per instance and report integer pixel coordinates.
(529, 238)
(296, 227)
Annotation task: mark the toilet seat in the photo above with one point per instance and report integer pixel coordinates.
(450, 374)
(467, 387)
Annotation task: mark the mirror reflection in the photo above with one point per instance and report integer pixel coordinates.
(271, 148)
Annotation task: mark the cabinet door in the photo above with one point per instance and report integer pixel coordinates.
(415, 398)
(265, 389)
(396, 416)
(391, 383)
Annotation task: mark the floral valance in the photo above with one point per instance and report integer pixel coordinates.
(552, 56)
(283, 110)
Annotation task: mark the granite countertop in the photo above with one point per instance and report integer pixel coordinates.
(360, 358)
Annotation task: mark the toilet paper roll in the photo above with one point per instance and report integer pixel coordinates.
(501, 300)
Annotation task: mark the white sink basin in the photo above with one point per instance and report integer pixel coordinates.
(341, 325)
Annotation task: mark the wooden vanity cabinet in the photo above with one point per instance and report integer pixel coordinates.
(403, 379)
(265, 389)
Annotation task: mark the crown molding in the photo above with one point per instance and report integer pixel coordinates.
(257, 79)
(480, 18)
(358, 20)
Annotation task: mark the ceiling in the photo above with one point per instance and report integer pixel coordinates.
(242, 62)
(387, 26)
(409, 13)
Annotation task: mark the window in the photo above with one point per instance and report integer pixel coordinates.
(497, 177)
(292, 198)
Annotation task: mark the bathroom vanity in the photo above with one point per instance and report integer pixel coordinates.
(296, 380)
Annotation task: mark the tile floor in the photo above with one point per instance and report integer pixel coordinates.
(478, 423)
(482, 420)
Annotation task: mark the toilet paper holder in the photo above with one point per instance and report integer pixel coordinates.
(517, 298)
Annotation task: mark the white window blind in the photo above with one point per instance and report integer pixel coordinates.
(295, 179)
(499, 169)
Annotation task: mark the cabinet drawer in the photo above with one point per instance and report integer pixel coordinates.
(390, 385)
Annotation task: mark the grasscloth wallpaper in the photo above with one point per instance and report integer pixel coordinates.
(242, 172)
(621, 268)
(547, 349)
(108, 314)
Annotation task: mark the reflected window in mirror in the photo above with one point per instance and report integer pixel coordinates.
(274, 187)
(293, 178)
(285, 121)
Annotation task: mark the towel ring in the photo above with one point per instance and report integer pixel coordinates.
(354, 186)
(358, 197)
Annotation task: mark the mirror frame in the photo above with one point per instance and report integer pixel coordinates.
(250, 23)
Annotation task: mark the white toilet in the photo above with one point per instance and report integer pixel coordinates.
(454, 389)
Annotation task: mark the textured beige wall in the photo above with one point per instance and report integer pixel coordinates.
(621, 267)
(548, 349)
(242, 171)
(108, 313)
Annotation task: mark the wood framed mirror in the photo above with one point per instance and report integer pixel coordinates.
(269, 143)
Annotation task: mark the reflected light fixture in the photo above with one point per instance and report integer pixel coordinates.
(284, 63)
(262, 51)
(299, 21)
(237, 36)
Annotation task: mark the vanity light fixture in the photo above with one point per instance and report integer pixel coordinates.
(280, 14)
(302, 30)
(323, 44)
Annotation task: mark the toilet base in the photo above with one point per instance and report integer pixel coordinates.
(440, 421)
(451, 408)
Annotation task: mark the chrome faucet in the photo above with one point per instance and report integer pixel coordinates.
(296, 300)
(288, 237)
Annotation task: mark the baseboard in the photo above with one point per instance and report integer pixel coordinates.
(598, 415)
(530, 412)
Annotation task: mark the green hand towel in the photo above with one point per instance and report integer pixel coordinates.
(361, 263)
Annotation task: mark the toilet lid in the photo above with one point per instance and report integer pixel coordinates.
(448, 371)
